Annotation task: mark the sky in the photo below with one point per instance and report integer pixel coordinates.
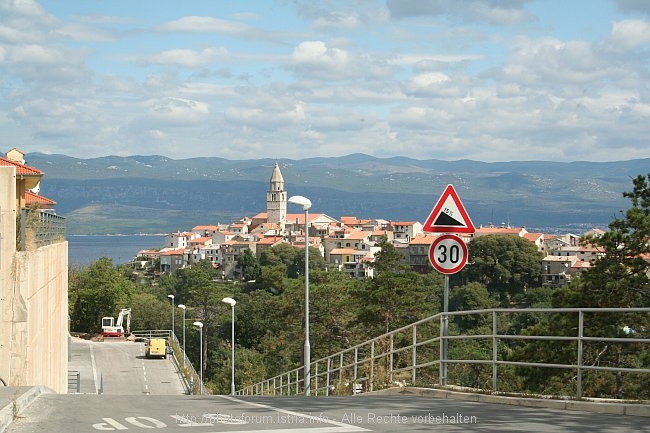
(485, 80)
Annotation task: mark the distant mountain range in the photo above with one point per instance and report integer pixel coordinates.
(155, 194)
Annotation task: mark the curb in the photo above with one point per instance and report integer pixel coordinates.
(635, 409)
(15, 400)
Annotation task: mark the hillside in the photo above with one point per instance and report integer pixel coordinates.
(156, 194)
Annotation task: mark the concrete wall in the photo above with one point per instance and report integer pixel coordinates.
(33, 303)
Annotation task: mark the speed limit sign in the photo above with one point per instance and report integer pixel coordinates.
(448, 254)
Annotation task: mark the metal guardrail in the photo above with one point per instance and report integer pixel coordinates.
(152, 333)
(411, 355)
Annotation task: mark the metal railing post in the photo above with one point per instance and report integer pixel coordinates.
(414, 356)
(341, 370)
(372, 364)
(580, 335)
(441, 370)
(494, 351)
(327, 379)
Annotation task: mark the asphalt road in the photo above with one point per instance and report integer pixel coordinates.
(142, 394)
(120, 368)
(139, 413)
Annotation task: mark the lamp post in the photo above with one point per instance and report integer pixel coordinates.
(173, 330)
(200, 326)
(232, 303)
(183, 307)
(306, 204)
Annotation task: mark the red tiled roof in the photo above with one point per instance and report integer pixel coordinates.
(403, 223)
(32, 198)
(173, 252)
(21, 169)
(423, 239)
(358, 235)
(199, 228)
(499, 230)
(269, 240)
(200, 240)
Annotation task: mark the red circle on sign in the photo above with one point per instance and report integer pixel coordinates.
(448, 254)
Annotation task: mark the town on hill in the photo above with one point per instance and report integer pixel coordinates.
(348, 244)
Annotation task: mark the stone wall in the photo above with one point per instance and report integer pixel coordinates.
(33, 303)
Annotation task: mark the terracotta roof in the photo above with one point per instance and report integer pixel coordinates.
(173, 252)
(201, 240)
(269, 240)
(199, 228)
(21, 169)
(423, 239)
(31, 198)
(358, 235)
(533, 236)
(403, 223)
(500, 230)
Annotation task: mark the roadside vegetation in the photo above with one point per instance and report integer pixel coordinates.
(503, 272)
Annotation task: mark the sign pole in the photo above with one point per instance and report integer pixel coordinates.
(445, 331)
(448, 254)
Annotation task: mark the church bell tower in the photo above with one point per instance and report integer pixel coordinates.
(276, 198)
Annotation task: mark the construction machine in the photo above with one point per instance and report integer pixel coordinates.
(114, 328)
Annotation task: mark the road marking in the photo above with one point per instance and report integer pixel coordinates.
(342, 427)
(144, 372)
(94, 366)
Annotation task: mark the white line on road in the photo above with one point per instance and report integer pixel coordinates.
(144, 372)
(342, 427)
(92, 362)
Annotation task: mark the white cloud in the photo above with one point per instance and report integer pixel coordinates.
(176, 111)
(185, 58)
(318, 54)
(629, 35)
(204, 24)
(412, 78)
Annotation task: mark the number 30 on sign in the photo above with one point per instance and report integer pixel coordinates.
(448, 254)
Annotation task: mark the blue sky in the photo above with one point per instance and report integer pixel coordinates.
(489, 80)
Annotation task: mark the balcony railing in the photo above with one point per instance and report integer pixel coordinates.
(39, 228)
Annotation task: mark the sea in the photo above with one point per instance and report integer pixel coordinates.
(85, 250)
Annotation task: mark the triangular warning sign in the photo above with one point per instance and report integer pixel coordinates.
(449, 215)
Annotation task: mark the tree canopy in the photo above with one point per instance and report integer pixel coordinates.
(502, 271)
(506, 265)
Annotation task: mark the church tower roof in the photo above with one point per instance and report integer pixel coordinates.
(276, 176)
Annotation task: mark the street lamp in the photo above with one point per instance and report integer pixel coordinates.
(200, 326)
(183, 307)
(173, 330)
(306, 204)
(232, 303)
